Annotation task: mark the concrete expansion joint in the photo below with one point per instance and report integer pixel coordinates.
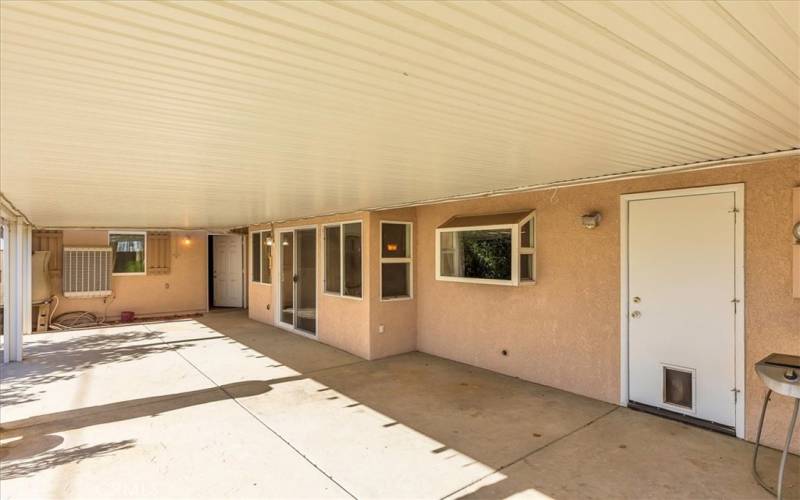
(533, 452)
(264, 424)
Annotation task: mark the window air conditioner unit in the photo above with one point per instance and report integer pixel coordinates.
(87, 272)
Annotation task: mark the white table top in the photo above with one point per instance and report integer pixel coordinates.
(773, 378)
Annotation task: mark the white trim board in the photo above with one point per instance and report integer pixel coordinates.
(739, 242)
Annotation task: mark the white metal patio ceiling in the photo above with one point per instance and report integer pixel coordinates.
(190, 114)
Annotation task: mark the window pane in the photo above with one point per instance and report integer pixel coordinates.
(287, 276)
(526, 267)
(678, 387)
(266, 257)
(448, 254)
(484, 254)
(395, 240)
(128, 252)
(256, 256)
(306, 311)
(333, 263)
(526, 234)
(395, 280)
(352, 260)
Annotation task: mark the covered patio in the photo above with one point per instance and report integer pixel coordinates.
(399, 249)
(224, 406)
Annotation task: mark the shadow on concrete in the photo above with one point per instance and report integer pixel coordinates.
(125, 410)
(19, 468)
(496, 420)
(32, 440)
(543, 441)
(48, 361)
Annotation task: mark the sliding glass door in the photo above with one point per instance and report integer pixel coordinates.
(298, 289)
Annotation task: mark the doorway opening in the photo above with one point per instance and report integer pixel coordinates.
(682, 305)
(297, 293)
(225, 271)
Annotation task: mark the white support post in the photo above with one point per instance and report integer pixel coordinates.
(5, 282)
(17, 312)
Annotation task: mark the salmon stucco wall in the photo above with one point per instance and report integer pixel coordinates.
(398, 318)
(564, 330)
(342, 322)
(183, 291)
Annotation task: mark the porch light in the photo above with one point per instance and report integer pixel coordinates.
(269, 241)
(187, 240)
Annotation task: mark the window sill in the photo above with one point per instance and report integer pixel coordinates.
(396, 299)
(128, 274)
(476, 281)
(340, 296)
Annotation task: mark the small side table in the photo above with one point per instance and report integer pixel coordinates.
(781, 374)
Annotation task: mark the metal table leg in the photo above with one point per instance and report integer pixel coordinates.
(786, 448)
(785, 454)
(758, 443)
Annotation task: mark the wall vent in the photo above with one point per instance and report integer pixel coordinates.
(87, 271)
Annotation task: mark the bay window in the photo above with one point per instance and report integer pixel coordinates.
(493, 249)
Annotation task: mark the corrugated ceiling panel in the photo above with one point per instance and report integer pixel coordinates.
(209, 114)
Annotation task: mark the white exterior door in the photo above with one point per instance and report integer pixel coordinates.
(682, 318)
(227, 270)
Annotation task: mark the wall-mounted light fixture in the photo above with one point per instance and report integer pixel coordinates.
(187, 240)
(591, 220)
(269, 241)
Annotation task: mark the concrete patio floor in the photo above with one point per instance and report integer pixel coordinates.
(228, 407)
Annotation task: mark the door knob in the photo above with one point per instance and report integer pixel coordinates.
(636, 314)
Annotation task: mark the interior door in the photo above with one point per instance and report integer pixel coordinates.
(681, 271)
(227, 271)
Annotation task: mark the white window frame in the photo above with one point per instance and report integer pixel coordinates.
(671, 406)
(341, 293)
(516, 251)
(397, 260)
(260, 261)
(113, 250)
(531, 250)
